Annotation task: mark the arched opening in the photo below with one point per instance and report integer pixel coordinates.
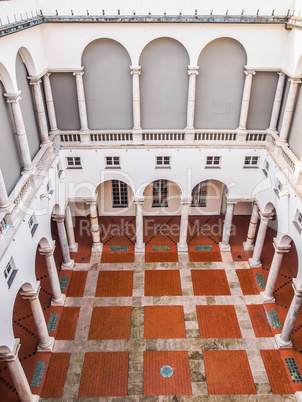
(220, 84)
(108, 85)
(164, 63)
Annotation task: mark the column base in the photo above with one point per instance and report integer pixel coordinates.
(47, 348)
(189, 135)
(35, 398)
(254, 264)
(97, 248)
(139, 249)
(298, 396)
(182, 248)
(248, 247)
(224, 247)
(74, 248)
(68, 266)
(137, 135)
(60, 302)
(282, 344)
(265, 299)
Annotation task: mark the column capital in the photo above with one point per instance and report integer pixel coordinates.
(34, 80)
(295, 80)
(186, 200)
(266, 216)
(193, 70)
(249, 71)
(231, 202)
(138, 200)
(297, 287)
(281, 249)
(11, 355)
(13, 97)
(31, 294)
(58, 217)
(78, 72)
(281, 73)
(47, 251)
(48, 74)
(135, 70)
(89, 201)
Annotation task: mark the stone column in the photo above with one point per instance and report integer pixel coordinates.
(45, 341)
(67, 263)
(17, 373)
(267, 296)
(193, 72)
(49, 104)
(97, 246)
(255, 262)
(139, 224)
(73, 246)
(35, 82)
(283, 340)
(135, 72)
(289, 109)
(14, 100)
(58, 299)
(246, 99)
(224, 245)
(182, 246)
(277, 102)
(81, 100)
(4, 201)
(249, 243)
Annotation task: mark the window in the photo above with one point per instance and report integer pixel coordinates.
(298, 221)
(160, 193)
(32, 223)
(163, 161)
(199, 195)
(266, 168)
(119, 194)
(251, 161)
(59, 169)
(213, 161)
(10, 272)
(49, 188)
(73, 162)
(113, 161)
(280, 189)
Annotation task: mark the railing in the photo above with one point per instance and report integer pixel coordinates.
(3, 227)
(256, 136)
(22, 193)
(215, 135)
(106, 137)
(70, 137)
(163, 136)
(291, 160)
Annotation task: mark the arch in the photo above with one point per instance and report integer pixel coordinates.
(6, 79)
(145, 185)
(269, 208)
(163, 63)
(57, 210)
(44, 243)
(220, 83)
(114, 199)
(108, 85)
(214, 191)
(27, 60)
(298, 69)
(285, 240)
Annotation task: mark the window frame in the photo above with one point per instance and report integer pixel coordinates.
(201, 194)
(213, 162)
(160, 193)
(298, 221)
(10, 272)
(249, 161)
(112, 162)
(119, 194)
(163, 162)
(76, 162)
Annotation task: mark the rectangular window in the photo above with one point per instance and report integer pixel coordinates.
(59, 169)
(265, 168)
(213, 161)
(163, 161)
(298, 221)
(119, 194)
(10, 272)
(32, 223)
(49, 188)
(160, 193)
(199, 195)
(113, 161)
(251, 161)
(73, 162)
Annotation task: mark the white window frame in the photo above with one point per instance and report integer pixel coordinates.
(59, 169)
(73, 162)
(119, 194)
(265, 169)
(280, 189)
(33, 224)
(298, 221)
(112, 162)
(10, 272)
(160, 193)
(251, 161)
(49, 188)
(199, 194)
(163, 162)
(213, 161)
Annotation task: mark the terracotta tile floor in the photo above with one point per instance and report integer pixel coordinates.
(204, 319)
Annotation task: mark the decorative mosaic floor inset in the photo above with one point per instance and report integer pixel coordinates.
(64, 282)
(203, 248)
(274, 319)
(160, 248)
(38, 374)
(260, 280)
(293, 369)
(52, 323)
(118, 248)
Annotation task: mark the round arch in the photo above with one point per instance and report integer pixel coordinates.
(114, 198)
(27, 60)
(298, 69)
(208, 197)
(6, 79)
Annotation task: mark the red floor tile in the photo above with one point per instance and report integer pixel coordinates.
(164, 322)
(178, 384)
(110, 323)
(162, 283)
(276, 371)
(207, 282)
(247, 282)
(258, 316)
(76, 285)
(68, 323)
(218, 322)
(56, 375)
(228, 372)
(104, 374)
(113, 257)
(114, 284)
